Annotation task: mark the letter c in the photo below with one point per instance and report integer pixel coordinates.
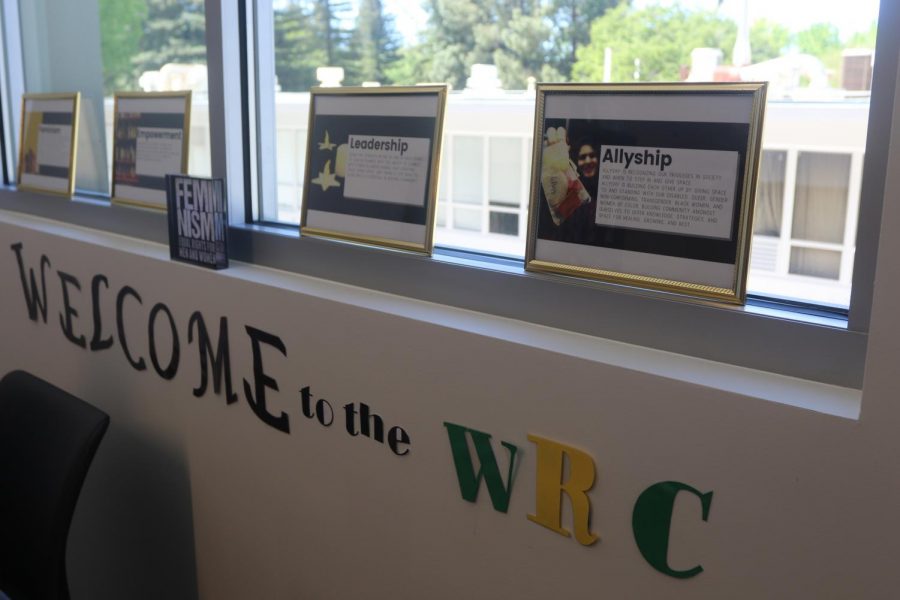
(139, 364)
(651, 521)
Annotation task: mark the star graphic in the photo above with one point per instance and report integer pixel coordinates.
(326, 145)
(326, 178)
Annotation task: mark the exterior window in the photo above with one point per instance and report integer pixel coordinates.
(818, 61)
(505, 172)
(770, 193)
(144, 45)
(815, 262)
(468, 169)
(505, 223)
(820, 199)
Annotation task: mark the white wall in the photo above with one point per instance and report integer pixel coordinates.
(193, 497)
(803, 507)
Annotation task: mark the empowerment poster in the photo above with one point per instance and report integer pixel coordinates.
(150, 143)
(371, 167)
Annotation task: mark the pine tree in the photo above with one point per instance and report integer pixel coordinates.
(328, 30)
(521, 52)
(121, 30)
(174, 32)
(572, 21)
(308, 35)
(373, 46)
(461, 33)
(297, 53)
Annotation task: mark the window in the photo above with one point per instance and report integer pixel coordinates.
(484, 206)
(144, 45)
(770, 193)
(817, 60)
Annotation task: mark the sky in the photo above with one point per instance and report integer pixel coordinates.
(850, 16)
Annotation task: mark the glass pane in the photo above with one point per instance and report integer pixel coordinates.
(443, 176)
(505, 223)
(820, 197)
(468, 167)
(817, 58)
(815, 262)
(770, 194)
(505, 172)
(467, 219)
(144, 45)
(288, 155)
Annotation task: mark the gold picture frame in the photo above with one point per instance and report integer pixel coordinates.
(659, 192)
(366, 132)
(30, 174)
(147, 190)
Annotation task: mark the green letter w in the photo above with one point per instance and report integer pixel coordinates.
(469, 481)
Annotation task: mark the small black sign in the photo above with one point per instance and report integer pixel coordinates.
(198, 220)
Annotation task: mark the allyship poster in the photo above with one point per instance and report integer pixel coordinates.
(371, 166)
(647, 185)
(49, 127)
(150, 142)
(198, 221)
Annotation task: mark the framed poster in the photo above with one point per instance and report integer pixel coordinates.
(47, 143)
(649, 185)
(372, 165)
(150, 140)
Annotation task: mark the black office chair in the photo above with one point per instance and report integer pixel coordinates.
(48, 438)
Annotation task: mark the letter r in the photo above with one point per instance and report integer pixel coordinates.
(551, 457)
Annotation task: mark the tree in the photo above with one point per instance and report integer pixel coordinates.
(308, 35)
(512, 34)
(768, 40)
(520, 51)
(572, 28)
(327, 17)
(373, 45)
(413, 65)
(823, 41)
(121, 29)
(174, 32)
(460, 34)
(864, 39)
(297, 53)
(662, 38)
(819, 40)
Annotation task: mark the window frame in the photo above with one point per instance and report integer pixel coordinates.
(789, 339)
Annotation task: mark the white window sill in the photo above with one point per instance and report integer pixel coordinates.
(753, 383)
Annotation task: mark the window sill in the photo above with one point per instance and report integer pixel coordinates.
(592, 319)
(819, 397)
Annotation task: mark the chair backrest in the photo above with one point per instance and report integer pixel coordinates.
(48, 439)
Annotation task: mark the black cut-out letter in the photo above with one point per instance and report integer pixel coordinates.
(34, 301)
(172, 368)
(263, 381)
(126, 291)
(65, 317)
(219, 359)
(97, 341)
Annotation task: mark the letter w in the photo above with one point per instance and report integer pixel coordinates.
(469, 480)
(34, 300)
